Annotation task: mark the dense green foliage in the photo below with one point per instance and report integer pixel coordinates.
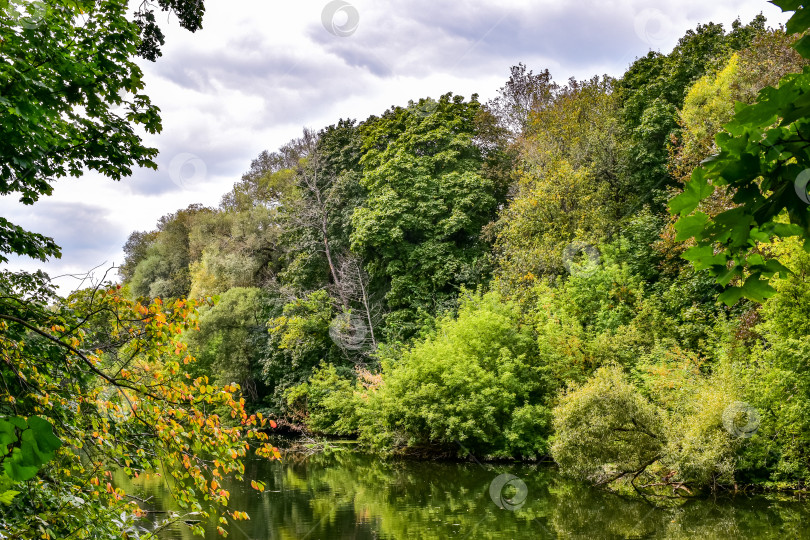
(653, 90)
(589, 337)
(64, 67)
(763, 162)
(334, 280)
(476, 384)
(420, 224)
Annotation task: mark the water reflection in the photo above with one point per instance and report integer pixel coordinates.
(347, 495)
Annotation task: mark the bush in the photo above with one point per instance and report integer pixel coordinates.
(700, 450)
(326, 403)
(605, 429)
(776, 379)
(475, 385)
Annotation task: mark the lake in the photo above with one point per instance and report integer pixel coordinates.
(343, 494)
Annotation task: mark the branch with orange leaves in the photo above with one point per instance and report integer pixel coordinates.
(85, 359)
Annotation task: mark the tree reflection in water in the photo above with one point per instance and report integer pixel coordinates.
(342, 494)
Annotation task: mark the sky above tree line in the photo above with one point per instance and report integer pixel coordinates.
(255, 76)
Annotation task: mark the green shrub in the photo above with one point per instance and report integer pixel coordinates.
(475, 385)
(326, 403)
(605, 429)
(701, 451)
(776, 379)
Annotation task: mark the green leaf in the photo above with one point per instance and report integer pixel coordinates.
(773, 266)
(746, 167)
(690, 226)
(787, 5)
(8, 435)
(799, 22)
(756, 260)
(37, 445)
(802, 46)
(7, 496)
(757, 289)
(758, 235)
(43, 432)
(725, 277)
(794, 114)
(694, 191)
(758, 114)
(734, 225)
(731, 296)
(782, 230)
(703, 257)
(17, 469)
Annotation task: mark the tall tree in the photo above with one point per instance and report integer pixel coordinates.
(420, 227)
(164, 271)
(317, 211)
(523, 93)
(653, 90)
(568, 186)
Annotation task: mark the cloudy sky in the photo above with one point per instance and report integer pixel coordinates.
(260, 71)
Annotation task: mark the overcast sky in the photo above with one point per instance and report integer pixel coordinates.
(260, 71)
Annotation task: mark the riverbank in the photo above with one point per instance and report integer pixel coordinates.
(304, 443)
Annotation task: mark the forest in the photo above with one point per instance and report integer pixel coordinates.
(505, 278)
(610, 274)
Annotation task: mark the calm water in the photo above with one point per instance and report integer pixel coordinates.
(346, 495)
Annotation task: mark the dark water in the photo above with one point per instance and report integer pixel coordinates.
(344, 495)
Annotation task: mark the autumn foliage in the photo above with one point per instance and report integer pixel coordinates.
(111, 376)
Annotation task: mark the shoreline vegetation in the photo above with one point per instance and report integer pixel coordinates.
(504, 280)
(612, 274)
(663, 495)
(307, 444)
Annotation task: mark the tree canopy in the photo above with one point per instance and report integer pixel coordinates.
(72, 97)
